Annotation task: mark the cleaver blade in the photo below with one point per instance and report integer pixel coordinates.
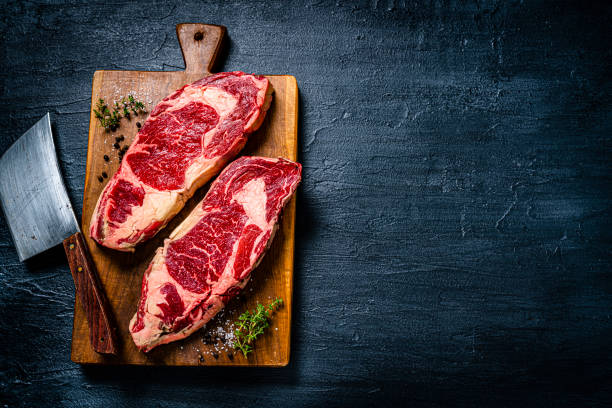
(32, 193)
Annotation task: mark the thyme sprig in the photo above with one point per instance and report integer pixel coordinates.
(130, 106)
(252, 324)
(110, 120)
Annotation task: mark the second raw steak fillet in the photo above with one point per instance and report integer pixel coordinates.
(209, 257)
(187, 139)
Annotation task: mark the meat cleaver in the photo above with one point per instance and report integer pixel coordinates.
(39, 215)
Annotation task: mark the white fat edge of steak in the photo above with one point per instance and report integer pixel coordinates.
(160, 206)
(253, 198)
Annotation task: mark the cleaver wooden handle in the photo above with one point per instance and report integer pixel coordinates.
(200, 44)
(102, 333)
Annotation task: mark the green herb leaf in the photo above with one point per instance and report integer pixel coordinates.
(252, 324)
(111, 120)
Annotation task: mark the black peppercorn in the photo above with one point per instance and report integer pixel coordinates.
(106, 158)
(138, 125)
(100, 179)
(104, 174)
(121, 138)
(230, 356)
(116, 145)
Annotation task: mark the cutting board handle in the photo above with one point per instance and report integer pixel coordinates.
(200, 44)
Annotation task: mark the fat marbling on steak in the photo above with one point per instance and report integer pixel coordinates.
(187, 139)
(209, 257)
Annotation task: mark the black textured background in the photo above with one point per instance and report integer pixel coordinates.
(454, 233)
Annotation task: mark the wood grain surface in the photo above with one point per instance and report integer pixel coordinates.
(121, 273)
(88, 289)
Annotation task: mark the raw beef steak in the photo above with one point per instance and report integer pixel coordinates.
(209, 257)
(187, 139)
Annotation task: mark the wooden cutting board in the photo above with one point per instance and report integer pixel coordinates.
(121, 273)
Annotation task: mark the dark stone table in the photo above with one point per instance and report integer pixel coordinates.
(454, 233)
